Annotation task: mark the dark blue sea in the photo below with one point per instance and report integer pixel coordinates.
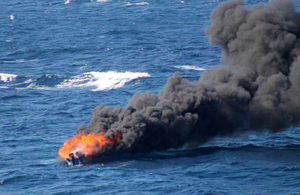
(59, 59)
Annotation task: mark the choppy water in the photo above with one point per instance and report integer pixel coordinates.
(60, 59)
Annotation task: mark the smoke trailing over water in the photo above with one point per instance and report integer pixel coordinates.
(257, 87)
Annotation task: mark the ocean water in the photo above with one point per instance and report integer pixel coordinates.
(60, 59)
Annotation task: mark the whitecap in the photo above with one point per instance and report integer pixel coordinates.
(48, 161)
(9, 40)
(102, 1)
(20, 60)
(186, 67)
(28, 81)
(7, 77)
(142, 3)
(103, 81)
(35, 86)
(44, 82)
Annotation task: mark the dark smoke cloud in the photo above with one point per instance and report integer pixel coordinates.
(256, 88)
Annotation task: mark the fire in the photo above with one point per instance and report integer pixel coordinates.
(88, 144)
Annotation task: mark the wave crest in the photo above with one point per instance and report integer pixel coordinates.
(103, 81)
(7, 77)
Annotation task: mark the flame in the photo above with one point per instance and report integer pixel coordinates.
(88, 144)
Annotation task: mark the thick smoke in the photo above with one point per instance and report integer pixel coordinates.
(256, 88)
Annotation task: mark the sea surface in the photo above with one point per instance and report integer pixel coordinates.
(60, 59)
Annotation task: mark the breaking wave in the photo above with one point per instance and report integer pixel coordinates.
(103, 81)
(99, 81)
(186, 67)
(136, 4)
(69, 1)
(7, 77)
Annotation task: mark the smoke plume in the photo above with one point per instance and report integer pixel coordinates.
(257, 86)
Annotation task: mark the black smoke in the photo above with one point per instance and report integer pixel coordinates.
(257, 86)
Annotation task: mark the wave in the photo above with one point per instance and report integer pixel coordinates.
(103, 81)
(7, 77)
(21, 60)
(101, 1)
(186, 67)
(99, 81)
(136, 4)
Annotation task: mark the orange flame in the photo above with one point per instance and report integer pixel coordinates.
(88, 144)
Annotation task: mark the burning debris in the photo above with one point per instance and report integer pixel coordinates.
(256, 88)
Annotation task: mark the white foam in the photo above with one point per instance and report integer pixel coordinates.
(142, 3)
(48, 161)
(11, 17)
(7, 77)
(9, 40)
(35, 86)
(19, 60)
(102, 1)
(186, 67)
(103, 81)
(28, 81)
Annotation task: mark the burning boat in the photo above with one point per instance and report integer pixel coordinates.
(83, 147)
(77, 160)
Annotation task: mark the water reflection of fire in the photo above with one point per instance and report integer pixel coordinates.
(88, 144)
